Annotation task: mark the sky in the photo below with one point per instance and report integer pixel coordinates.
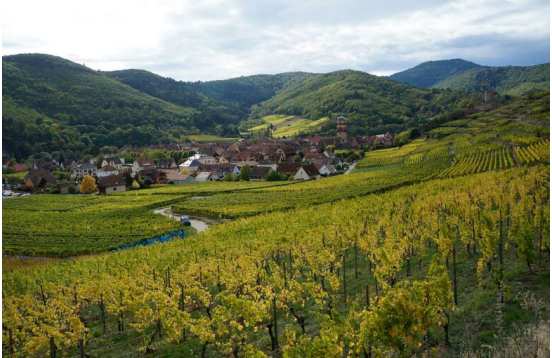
(216, 39)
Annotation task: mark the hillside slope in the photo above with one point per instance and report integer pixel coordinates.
(374, 104)
(101, 110)
(246, 91)
(222, 103)
(512, 80)
(458, 74)
(430, 73)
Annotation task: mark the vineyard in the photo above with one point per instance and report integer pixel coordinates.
(65, 225)
(355, 277)
(439, 248)
(287, 126)
(483, 142)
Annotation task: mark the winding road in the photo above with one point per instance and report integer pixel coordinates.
(197, 224)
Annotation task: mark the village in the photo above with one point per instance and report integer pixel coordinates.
(301, 158)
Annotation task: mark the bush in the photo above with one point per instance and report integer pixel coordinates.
(244, 173)
(275, 176)
(88, 185)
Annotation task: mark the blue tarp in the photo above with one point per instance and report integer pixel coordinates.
(180, 233)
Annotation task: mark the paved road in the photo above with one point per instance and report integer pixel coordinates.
(197, 224)
(351, 167)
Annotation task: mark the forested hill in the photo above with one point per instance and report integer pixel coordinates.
(246, 91)
(463, 75)
(53, 104)
(373, 104)
(231, 99)
(511, 80)
(427, 74)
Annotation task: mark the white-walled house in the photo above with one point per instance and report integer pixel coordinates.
(327, 169)
(113, 162)
(107, 171)
(140, 165)
(81, 170)
(306, 172)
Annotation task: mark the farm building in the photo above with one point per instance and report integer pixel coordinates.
(111, 184)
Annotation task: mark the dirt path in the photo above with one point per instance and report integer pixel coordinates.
(197, 223)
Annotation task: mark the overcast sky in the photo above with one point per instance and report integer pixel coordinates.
(215, 39)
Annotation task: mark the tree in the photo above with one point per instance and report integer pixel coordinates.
(273, 175)
(244, 173)
(88, 185)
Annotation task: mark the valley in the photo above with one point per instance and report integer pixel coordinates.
(404, 255)
(276, 179)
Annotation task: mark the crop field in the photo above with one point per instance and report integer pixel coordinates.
(487, 141)
(536, 152)
(208, 138)
(304, 194)
(65, 225)
(288, 126)
(357, 266)
(201, 188)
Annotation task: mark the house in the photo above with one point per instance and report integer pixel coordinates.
(383, 139)
(219, 171)
(151, 175)
(192, 163)
(207, 159)
(288, 169)
(113, 162)
(173, 176)
(140, 165)
(314, 140)
(19, 167)
(165, 164)
(306, 172)
(202, 177)
(190, 166)
(107, 171)
(38, 179)
(80, 170)
(234, 147)
(326, 169)
(111, 184)
(223, 160)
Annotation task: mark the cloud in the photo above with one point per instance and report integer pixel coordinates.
(213, 39)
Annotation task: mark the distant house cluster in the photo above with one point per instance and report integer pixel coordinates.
(303, 158)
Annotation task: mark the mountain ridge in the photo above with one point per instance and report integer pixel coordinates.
(82, 110)
(459, 74)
